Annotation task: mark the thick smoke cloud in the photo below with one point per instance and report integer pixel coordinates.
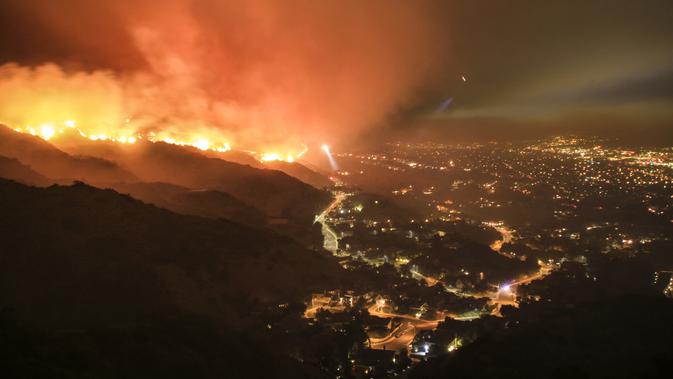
(258, 73)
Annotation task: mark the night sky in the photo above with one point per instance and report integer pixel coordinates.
(537, 58)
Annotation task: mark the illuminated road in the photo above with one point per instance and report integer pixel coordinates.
(430, 281)
(497, 298)
(508, 294)
(311, 312)
(330, 238)
(544, 271)
(506, 237)
(417, 320)
(401, 337)
(398, 339)
(338, 198)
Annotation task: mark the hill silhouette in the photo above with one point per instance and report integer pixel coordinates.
(76, 231)
(49, 161)
(300, 172)
(289, 204)
(204, 203)
(618, 337)
(95, 283)
(11, 168)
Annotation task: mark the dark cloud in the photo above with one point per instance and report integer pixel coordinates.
(532, 58)
(649, 86)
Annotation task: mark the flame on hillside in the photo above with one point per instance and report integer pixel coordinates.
(51, 131)
(50, 103)
(214, 75)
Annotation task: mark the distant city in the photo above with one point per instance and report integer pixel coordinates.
(541, 207)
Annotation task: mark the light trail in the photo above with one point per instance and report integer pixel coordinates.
(328, 153)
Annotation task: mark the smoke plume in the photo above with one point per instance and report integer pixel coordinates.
(256, 74)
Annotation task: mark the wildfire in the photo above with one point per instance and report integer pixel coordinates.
(269, 157)
(57, 106)
(49, 131)
(274, 156)
(200, 143)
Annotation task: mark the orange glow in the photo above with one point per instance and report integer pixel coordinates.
(184, 73)
(275, 156)
(269, 157)
(53, 104)
(46, 131)
(49, 131)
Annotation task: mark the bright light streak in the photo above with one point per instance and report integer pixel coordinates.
(301, 153)
(445, 104)
(332, 162)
